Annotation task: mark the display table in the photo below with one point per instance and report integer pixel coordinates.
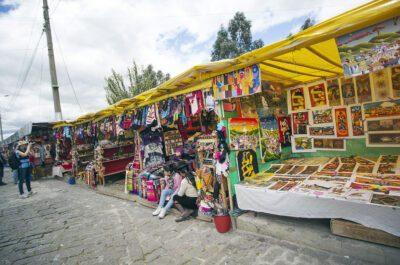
(293, 204)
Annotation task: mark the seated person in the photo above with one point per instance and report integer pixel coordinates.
(185, 199)
(172, 184)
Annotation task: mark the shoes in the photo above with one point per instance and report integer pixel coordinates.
(30, 193)
(23, 196)
(185, 216)
(157, 211)
(162, 213)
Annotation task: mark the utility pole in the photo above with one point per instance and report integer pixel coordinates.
(53, 73)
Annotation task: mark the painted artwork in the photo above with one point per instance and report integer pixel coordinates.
(381, 84)
(317, 95)
(302, 144)
(348, 91)
(383, 125)
(330, 144)
(243, 133)
(242, 82)
(269, 139)
(285, 130)
(300, 122)
(347, 168)
(386, 139)
(396, 81)
(387, 169)
(383, 199)
(272, 101)
(369, 49)
(285, 169)
(297, 99)
(310, 170)
(365, 169)
(333, 92)
(357, 125)
(273, 169)
(363, 88)
(321, 131)
(247, 163)
(322, 116)
(231, 108)
(391, 159)
(248, 107)
(342, 123)
(382, 109)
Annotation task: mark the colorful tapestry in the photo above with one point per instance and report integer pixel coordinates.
(270, 140)
(247, 164)
(242, 82)
(369, 49)
(243, 133)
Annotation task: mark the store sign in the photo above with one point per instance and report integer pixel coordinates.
(242, 82)
(247, 164)
(370, 49)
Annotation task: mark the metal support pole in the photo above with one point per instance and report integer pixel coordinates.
(53, 73)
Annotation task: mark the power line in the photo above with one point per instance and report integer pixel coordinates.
(66, 69)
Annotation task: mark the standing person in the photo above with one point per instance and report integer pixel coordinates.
(172, 184)
(24, 171)
(2, 166)
(185, 199)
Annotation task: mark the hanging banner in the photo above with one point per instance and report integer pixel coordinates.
(247, 164)
(369, 49)
(270, 142)
(242, 82)
(243, 133)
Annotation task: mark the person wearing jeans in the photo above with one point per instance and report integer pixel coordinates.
(24, 170)
(2, 166)
(172, 184)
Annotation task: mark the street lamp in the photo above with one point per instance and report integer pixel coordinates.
(1, 125)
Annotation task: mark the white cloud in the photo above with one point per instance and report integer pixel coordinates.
(97, 35)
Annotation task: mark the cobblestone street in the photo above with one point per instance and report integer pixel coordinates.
(64, 224)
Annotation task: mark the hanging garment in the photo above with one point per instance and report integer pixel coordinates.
(151, 114)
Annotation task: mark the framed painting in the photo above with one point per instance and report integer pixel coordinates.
(321, 116)
(297, 99)
(302, 145)
(381, 85)
(341, 122)
(321, 131)
(383, 124)
(300, 122)
(357, 125)
(348, 91)
(396, 81)
(317, 95)
(382, 109)
(333, 89)
(383, 139)
(333, 144)
(243, 133)
(363, 88)
(269, 139)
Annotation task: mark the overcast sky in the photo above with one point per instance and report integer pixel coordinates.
(92, 36)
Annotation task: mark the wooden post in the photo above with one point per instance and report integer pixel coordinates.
(223, 193)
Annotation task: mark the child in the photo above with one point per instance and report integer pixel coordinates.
(172, 184)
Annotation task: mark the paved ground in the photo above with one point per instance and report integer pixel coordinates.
(64, 224)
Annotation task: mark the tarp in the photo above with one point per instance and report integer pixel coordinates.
(305, 57)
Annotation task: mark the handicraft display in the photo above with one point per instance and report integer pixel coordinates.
(317, 95)
(242, 82)
(322, 116)
(341, 121)
(363, 87)
(270, 139)
(243, 133)
(357, 125)
(300, 122)
(348, 91)
(369, 49)
(297, 99)
(333, 92)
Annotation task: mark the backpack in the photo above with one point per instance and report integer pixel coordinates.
(14, 161)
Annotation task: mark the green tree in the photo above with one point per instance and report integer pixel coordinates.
(235, 40)
(308, 23)
(140, 79)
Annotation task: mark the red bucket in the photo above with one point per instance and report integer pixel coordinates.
(222, 223)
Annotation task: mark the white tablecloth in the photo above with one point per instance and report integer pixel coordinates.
(292, 204)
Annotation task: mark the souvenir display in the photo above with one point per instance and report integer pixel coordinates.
(396, 81)
(243, 133)
(363, 88)
(330, 144)
(383, 125)
(269, 139)
(382, 109)
(302, 144)
(391, 139)
(206, 147)
(242, 82)
(369, 49)
(297, 99)
(333, 92)
(341, 121)
(357, 126)
(321, 131)
(248, 107)
(348, 91)
(247, 163)
(172, 141)
(317, 95)
(285, 130)
(322, 116)
(381, 84)
(300, 122)
(284, 169)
